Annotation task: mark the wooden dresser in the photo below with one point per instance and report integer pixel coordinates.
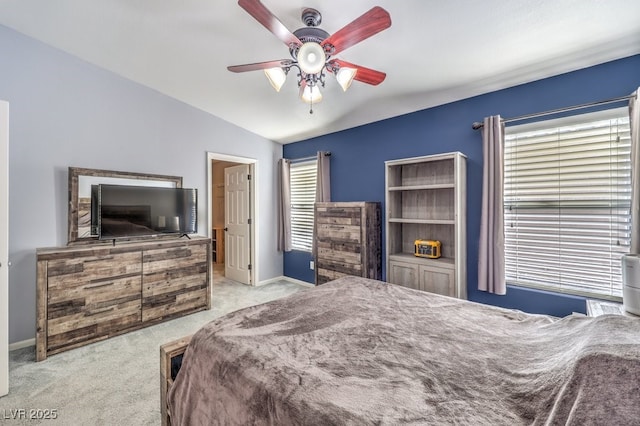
(348, 240)
(93, 292)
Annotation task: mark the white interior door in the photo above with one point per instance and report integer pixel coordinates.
(4, 248)
(237, 244)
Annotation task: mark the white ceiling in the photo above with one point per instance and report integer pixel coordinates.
(435, 51)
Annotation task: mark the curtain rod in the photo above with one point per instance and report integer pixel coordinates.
(311, 157)
(477, 125)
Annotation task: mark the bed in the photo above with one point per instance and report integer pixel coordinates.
(360, 351)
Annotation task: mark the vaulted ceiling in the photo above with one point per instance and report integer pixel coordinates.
(434, 52)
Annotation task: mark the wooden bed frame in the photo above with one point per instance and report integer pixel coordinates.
(168, 352)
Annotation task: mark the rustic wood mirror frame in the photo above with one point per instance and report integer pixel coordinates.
(128, 178)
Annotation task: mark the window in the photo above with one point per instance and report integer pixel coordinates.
(567, 196)
(303, 196)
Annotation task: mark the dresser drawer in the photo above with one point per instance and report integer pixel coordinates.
(336, 212)
(79, 271)
(344, 253)
(334, 223)
(338, 233)
(166, 259)
(340, 266)
(92, 310)
(339, 215)
(174, 281)
(169, 292)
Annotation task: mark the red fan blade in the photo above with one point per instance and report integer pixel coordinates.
(269, 21)
(283, 63)
(363, 74)
(367, 25)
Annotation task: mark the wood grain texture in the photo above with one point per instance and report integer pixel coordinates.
(174, 280)
(168, 351)
(86, 294)
(41, 310)
(347, 240)
(75, 210)
(218, 245)
(426, 199)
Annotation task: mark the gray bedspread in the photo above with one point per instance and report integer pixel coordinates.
(357, 351)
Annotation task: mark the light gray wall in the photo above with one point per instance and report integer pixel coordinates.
(65, 112)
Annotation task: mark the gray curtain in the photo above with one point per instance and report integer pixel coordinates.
(284, 205)
(491, 251)
(323, 178)
(634, 121)
(323, 185)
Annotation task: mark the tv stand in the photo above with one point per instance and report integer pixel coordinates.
(90, 293)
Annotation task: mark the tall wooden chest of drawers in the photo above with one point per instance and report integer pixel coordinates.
(347, 240)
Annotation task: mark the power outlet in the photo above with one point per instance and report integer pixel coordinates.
(311, 265)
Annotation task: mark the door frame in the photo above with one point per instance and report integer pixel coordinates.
(253, 200)
(4, 248)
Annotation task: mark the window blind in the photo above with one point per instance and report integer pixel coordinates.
(567, 196)
(303, 197)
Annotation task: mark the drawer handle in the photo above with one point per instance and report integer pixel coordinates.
(100, 311)
(97, 285)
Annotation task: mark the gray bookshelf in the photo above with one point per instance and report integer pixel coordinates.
(426, 199)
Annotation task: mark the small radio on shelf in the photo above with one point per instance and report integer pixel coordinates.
(427, 248)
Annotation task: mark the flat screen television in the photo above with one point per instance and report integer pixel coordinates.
(125, 211)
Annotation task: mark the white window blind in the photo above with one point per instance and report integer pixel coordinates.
(567, 198)
(303, 196)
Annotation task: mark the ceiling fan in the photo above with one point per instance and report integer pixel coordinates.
(312, 50)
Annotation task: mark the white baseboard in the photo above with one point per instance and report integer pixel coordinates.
(22, 344)
(283, 278)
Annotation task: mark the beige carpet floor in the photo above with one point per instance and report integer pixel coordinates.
(117, 381)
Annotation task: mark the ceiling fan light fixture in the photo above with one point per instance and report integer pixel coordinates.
(345, 77)
(311, 94)
(311, 57)
(276, 77)
(312, 48)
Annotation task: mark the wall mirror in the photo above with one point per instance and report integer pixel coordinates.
(80, 182)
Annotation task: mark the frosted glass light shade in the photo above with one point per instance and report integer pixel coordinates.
(345, 77)
(311, 94)
(276, 77)
(311, 57)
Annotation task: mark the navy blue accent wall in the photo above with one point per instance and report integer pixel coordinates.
(298, 265)
(358, 156)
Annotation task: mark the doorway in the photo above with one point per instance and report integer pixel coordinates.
(233, 246)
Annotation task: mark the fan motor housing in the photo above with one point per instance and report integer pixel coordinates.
(311, 33)
(307, 34)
